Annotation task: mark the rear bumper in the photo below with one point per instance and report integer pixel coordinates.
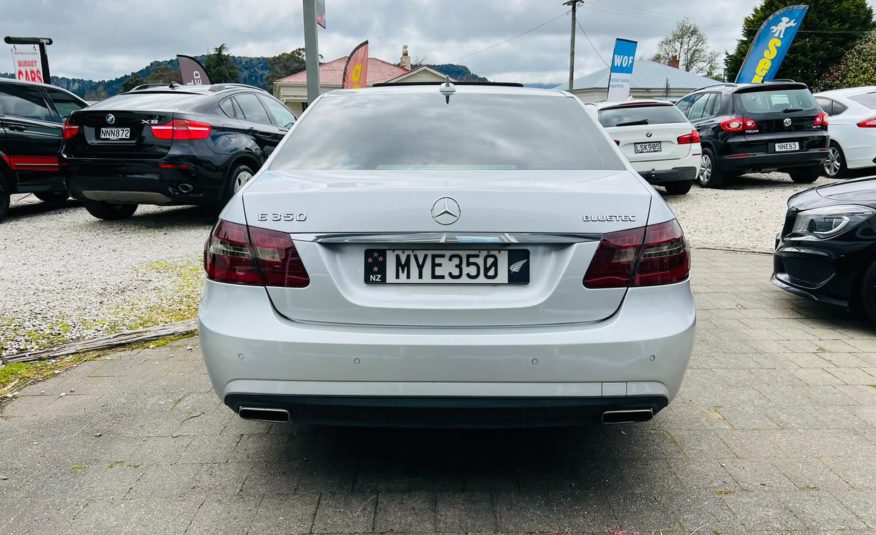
(676, 174)
(757, 152)
(165, 181)
(637, 357)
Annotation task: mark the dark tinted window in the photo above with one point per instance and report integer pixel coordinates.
(65, 104)
(839, 108)
(698, 108)
(252, 108)
(684, 104)
(25, 102)
(421, 131)
(227, 107)
(713, 106)
(281, 114)
(826, 104)
(655, 114)
(867, 99)
(775, 101)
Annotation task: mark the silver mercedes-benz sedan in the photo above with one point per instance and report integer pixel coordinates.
(447, 256)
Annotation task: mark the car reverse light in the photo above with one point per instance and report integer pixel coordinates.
(687, 139)
(821, 120)
(237, 254)
(738, 124)
(70, 130)
(644, 256)
(869, 123)
(181, 130)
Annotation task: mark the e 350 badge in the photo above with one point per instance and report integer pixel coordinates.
(283, 216)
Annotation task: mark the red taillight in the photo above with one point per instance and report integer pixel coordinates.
(644, 256)
(181, 130)
(738, 124)
(869, 123)
(70, 130)
(687, 139)
(237, 254)
(821, 120)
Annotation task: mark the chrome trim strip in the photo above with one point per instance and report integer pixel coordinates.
(463, 238)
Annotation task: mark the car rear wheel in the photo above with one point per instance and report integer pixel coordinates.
(237, 178)
(110, 211)
(835, 165)
(865, 301)
(4, 198)
(52, 197)
(710, 176)
(806, 175)
(678, 188)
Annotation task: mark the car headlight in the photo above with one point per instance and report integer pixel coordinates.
(831, 220)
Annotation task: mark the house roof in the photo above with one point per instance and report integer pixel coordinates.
(646, 75)
(421, 69)
(331, 73)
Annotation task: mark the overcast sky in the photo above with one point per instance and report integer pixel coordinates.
(102, 39)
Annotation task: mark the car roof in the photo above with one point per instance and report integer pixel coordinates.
(207, 89)
(484, 89)
(632, 103)
(847, 91)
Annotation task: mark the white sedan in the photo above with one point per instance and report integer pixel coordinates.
(469, 255)
(657, 139)
(852, 129)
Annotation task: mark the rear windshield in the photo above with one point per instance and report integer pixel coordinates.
(867, 99)
(776, 100)
(422, 131)
(147, 101)
(633, 115)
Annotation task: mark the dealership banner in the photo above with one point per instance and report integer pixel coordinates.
(356, 69)
(621, 72)
(27, 63)
(770, 45)
(193, 73)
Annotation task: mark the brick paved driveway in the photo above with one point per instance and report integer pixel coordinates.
(774, 430)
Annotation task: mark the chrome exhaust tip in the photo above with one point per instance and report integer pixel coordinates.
(262, 414)
(185, 187)
(627, 416)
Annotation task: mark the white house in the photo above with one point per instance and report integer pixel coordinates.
(650, 80)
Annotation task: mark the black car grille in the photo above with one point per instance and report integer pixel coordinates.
(789, 222)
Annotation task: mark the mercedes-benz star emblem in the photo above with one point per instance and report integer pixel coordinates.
(787, 122)
(110, 118)
(446, 211)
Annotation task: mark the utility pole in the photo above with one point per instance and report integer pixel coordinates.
(311, 50)
(574, 6)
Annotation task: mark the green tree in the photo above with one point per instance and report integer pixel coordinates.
(220, 68)
(163, 74)
(284, 64)
(857, 68)
(829, 30)
(688, 45)
(133, 81)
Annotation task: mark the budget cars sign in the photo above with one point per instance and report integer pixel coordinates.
(27, 63)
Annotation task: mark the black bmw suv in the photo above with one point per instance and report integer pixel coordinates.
(170, 144)
(758, 127)
(30, 136)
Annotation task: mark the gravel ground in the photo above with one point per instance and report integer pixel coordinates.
(65, 275)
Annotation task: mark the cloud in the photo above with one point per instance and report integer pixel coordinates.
(103, 39)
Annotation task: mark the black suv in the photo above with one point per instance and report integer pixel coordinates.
(758, 127)
(170, 144)
(30, 136)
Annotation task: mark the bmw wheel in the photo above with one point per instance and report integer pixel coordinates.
(835, 165)
(241, 175)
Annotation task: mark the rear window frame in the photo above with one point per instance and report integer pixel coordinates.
(681, 116)
(739, 104)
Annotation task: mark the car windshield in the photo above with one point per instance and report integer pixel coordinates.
(633, 115)
(776, 101)
(865, 99)
(423, 131)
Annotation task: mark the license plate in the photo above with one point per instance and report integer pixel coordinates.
(434, 266)
(789, 146)
(642, 148)
(115, 133)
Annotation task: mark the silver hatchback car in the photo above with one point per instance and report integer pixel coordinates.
(453, 256)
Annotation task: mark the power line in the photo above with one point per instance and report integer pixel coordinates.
(545, 23)
(595, 50)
